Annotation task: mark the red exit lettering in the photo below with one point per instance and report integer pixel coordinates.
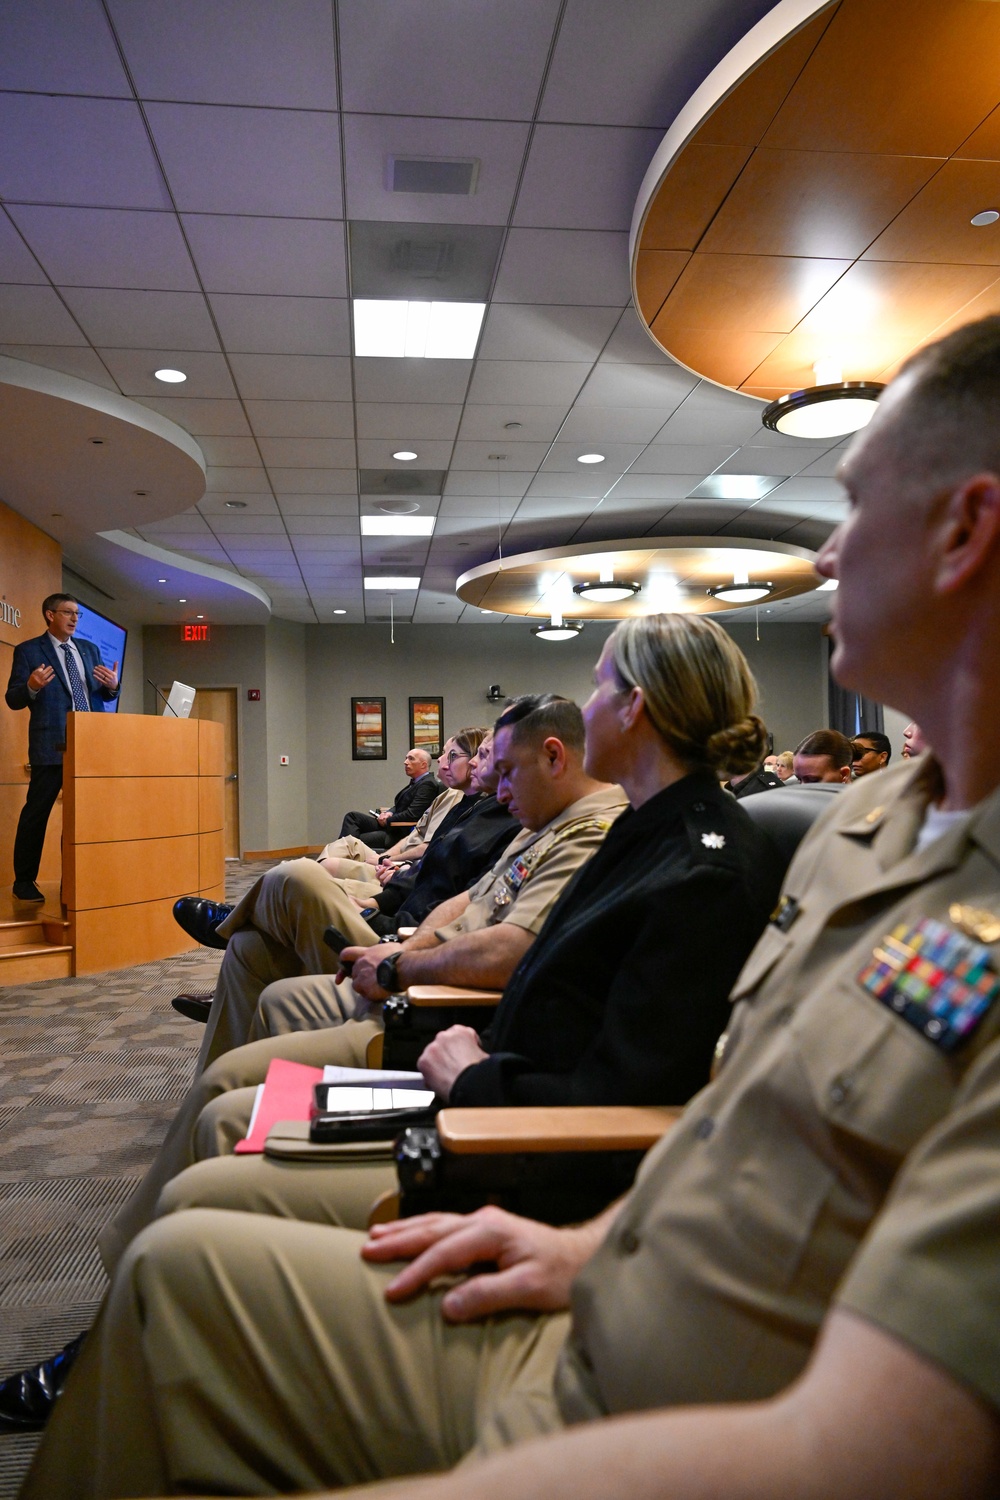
(196, 632)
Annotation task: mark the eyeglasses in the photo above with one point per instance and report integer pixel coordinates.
(71, 614)
(456, 755)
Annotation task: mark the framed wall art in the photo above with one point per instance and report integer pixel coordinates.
(368, 729)
(426, 715)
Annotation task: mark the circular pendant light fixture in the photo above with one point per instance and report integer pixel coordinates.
(741, 590)
(824, 411)
(609, 590)
(558, 629)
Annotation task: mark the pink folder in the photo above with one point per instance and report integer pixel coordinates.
(287, 1096)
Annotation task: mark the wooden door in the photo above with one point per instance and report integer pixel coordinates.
(219, 706)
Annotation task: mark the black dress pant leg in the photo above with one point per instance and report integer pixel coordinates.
(358, 824)
(43, 789)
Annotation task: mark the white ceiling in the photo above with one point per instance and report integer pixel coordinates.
(178, 179)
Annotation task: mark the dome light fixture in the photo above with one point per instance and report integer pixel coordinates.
(830, 409)
(741, 590)
(558, 629)
(608, 590)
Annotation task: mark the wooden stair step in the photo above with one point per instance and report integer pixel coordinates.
(44, 961)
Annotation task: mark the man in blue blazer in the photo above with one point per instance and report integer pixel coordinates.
(50, 676)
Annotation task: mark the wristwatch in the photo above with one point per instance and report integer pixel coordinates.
(387, 974)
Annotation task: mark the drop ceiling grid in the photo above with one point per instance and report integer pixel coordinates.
(228, 283)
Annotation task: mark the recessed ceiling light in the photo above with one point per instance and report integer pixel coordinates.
(391, 584)
(97, 442)
(829, 586)
(397, 525)
(340, 611)
(199, 617)
(236, 505)
(170, 377)
(405, 455)
(988, 216)
(824, 411)
(511, 426)
(558, 629)
(485, 611)
(182, 601)
(416, 330)
(141, 493)
(590, 458)
(161, 580)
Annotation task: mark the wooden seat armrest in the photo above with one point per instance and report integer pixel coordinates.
(596, 1127)
(402, 822)
(451, 994)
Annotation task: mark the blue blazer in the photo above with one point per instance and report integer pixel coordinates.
(47, 730)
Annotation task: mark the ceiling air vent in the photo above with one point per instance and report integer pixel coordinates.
(396, 482)
(432, 174)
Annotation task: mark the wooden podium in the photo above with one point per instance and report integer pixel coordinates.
(142, 825)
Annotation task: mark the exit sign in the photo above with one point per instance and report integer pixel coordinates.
(196, 632)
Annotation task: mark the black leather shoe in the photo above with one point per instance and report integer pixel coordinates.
(27, 890)
(200, 918)
(195, 1007)
(27, 1399)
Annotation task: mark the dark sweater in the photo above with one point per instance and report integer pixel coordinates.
(470, 840)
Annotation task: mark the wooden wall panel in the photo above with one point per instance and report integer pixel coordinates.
(211, 859)
(30, 568)
(128, 874)
(211, 803)
(115, 937)
(210, 747)
(135, 807)
(123, 745)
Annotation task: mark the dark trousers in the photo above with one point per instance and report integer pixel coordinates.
(363, 826)
(43, 789)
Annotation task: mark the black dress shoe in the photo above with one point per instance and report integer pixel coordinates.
(27, 1399)
(195, 1007)
(27, 890)
(200, 918)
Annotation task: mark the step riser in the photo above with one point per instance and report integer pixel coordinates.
(24, 968)
(23, 935)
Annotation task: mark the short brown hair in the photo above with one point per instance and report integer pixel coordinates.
(831, 743)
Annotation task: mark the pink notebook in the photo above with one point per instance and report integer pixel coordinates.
(285, 1094)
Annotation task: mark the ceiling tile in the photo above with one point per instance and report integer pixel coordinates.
(334, 419)
(16, 261)
(587, 425)
(278, 53)
(633, 486)
(286, 482)
(282, 325)
(455, 510)
(61, 150)
(748, 460)
(471, 456)
(232, 523)
(307, 453)
(536, 424)
(203, 418)
(544, 381)
(376, 453)
(682, 458)
(323, 526)
(213, 503)
(631, 343)
(234, 479)
(280, 257)
(564, 458)
(481, 61)
(81, 362)
(713, 419)
(579, 267)
(826, 467)
(250, 161)
(35, 315)
(583, 177)
(662, 387)
(107, 247)
(190, 521)
(542, 507)
(395, 420)
(486, 486)
(59, 47)
(404, 380)
(809, 493)
(229, 450)
(551, 333)
(582, 487)
(322, 505)
(606, 526)
(143, 320)
(370, 139)
(292, 377)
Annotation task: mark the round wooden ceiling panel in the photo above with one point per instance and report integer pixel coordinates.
(814, 202)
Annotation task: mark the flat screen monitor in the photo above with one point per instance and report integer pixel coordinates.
(109, 639)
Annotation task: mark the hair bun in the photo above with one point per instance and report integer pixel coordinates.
(738, 748)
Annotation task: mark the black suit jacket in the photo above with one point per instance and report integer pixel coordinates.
(625, 991)
(47, 729)
(413, 800)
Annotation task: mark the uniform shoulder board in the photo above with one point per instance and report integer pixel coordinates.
(711, 834)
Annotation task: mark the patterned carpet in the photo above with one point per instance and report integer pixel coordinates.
(91, 1071)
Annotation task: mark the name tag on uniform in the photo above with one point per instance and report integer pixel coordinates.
(937, 979)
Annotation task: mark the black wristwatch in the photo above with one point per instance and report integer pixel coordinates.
(387, 974)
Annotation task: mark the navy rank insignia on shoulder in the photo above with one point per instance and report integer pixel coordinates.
(937, 979)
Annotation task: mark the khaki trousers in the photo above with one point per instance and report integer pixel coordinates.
(275, 932)
(215, 1113)
(244, 1355)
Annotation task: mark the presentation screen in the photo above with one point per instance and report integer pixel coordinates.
(109, 639)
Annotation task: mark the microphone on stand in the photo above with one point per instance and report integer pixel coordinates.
(165, 700)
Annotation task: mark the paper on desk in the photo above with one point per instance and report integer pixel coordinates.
(351, 1101)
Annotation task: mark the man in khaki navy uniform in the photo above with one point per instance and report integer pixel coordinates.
(816, 1241)
(476, 938)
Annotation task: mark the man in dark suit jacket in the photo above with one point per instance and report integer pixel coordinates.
(410, 803)
(51, 675)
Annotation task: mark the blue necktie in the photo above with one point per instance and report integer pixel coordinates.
(80, 700)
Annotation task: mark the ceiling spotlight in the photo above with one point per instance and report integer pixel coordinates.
(199, 617)
(141, 493)
(161, 580)
(97, 442)
(558, 629)
(741, 591)
(182, 601)
(608, 591)
(988, 216)
(511, 426)
(405, 456)
(829, 586)
(824, 411)
(340, 611)
(170, 377)
(590, 458)
(236, 505)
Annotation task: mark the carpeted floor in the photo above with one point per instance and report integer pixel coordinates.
(91, 1071)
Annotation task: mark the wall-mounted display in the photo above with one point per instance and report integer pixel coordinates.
(426, 715)
(368, 729)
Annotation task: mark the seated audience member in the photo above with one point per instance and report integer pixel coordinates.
(276, 930)
(783, 766)
(824, 756)
(913, 741)
(417, 795)
(759, 779)
(870, 752)
(349, 858)
(799, 1296)
(623, 994)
